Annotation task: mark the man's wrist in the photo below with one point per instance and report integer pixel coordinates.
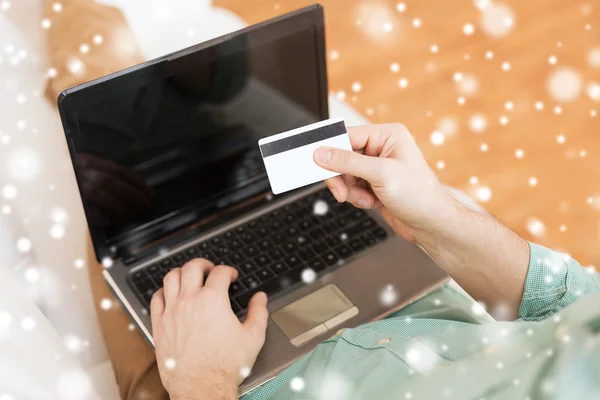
(211, 385)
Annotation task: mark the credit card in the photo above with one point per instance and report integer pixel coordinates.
(288, 156)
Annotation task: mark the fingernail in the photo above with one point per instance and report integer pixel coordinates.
(323, 155)
(335, 194)
(363, 203)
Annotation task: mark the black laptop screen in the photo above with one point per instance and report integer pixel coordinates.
(178, 142)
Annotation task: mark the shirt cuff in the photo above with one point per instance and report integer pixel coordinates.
(554, 281)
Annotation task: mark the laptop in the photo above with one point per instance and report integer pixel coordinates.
(167, 163)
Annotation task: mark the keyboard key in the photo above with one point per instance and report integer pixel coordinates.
(278, 267)
(332, 241)
(236, 288)
(247, 237)
(262, 260)
(144, 285)
(316, 265)
(272, 286)
(330, 227)
(192, 252)
(357, 245)
(222, 252)
(166, 264)
(278, 238)
(251, 251)
(290, 247)
(275, 225)
(264, 244)
(290, 218)
(178, 258)
(368, 239)
(291, 231)
(276, 254)
(330, 258)
(236, 258)
(139, 275)
(248, 266)
(306, 253)
(379, 233)
(262, 231)
(343, 251)
(320, 247)
(228, 235)
(236, 244)
(292, 260)
(216, 241)
(264, 274)
(203, 246)
(316, 234)
(250, 282)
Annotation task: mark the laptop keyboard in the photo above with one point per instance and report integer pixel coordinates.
(272, 251)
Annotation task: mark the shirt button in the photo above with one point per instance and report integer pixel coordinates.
(384, 340)
(339, 333)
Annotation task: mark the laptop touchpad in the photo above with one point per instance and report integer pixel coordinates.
(314, 314)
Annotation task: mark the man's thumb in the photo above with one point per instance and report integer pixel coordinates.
(349, 163)
(258, 315)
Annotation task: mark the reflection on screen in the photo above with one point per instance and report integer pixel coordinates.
(168, 150)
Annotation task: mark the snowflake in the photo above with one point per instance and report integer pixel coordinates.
(57, 7)
(434, 48)
(564, 84)
(468, 29)
(46, 23)
(320, 207)
(28, 324)
(437, 138)
(416, 23)
(593, 91)
(536, 227)
(401, 7)
(356, 87)
(57, 231)
(552, 60)
(59, 215)
(105, 304)
(334, 55)
(74, 385)
(403, 83)
(509, 106)
(468, 85)
(560, 139)
(533, 181)
(388, 295)
(394, 67)
(308, 275)
(505, 66)
(478, 308)
(23, 245)
(171, 364)
(32, 274)
(593, 57)
(483, 194)
(473, 180)
(72, 343)
(497, 20)
(519, 153)
(297, 384)
(84, 48)
(477, 123)
(107, 262)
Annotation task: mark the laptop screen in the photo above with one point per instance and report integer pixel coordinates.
(177, 143)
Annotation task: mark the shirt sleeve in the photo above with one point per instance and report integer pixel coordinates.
(554, 281)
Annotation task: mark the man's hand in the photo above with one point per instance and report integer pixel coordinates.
(202, 349)
(387, 171)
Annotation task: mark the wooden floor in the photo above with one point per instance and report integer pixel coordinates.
(551, 193)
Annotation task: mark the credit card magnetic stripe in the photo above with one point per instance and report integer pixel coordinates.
(303, 139)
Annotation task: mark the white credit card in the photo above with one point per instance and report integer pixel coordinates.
(288, 156)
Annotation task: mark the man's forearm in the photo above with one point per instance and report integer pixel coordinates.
(216, 385)
(484, 257)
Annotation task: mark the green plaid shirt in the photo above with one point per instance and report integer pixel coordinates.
(439, 348)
